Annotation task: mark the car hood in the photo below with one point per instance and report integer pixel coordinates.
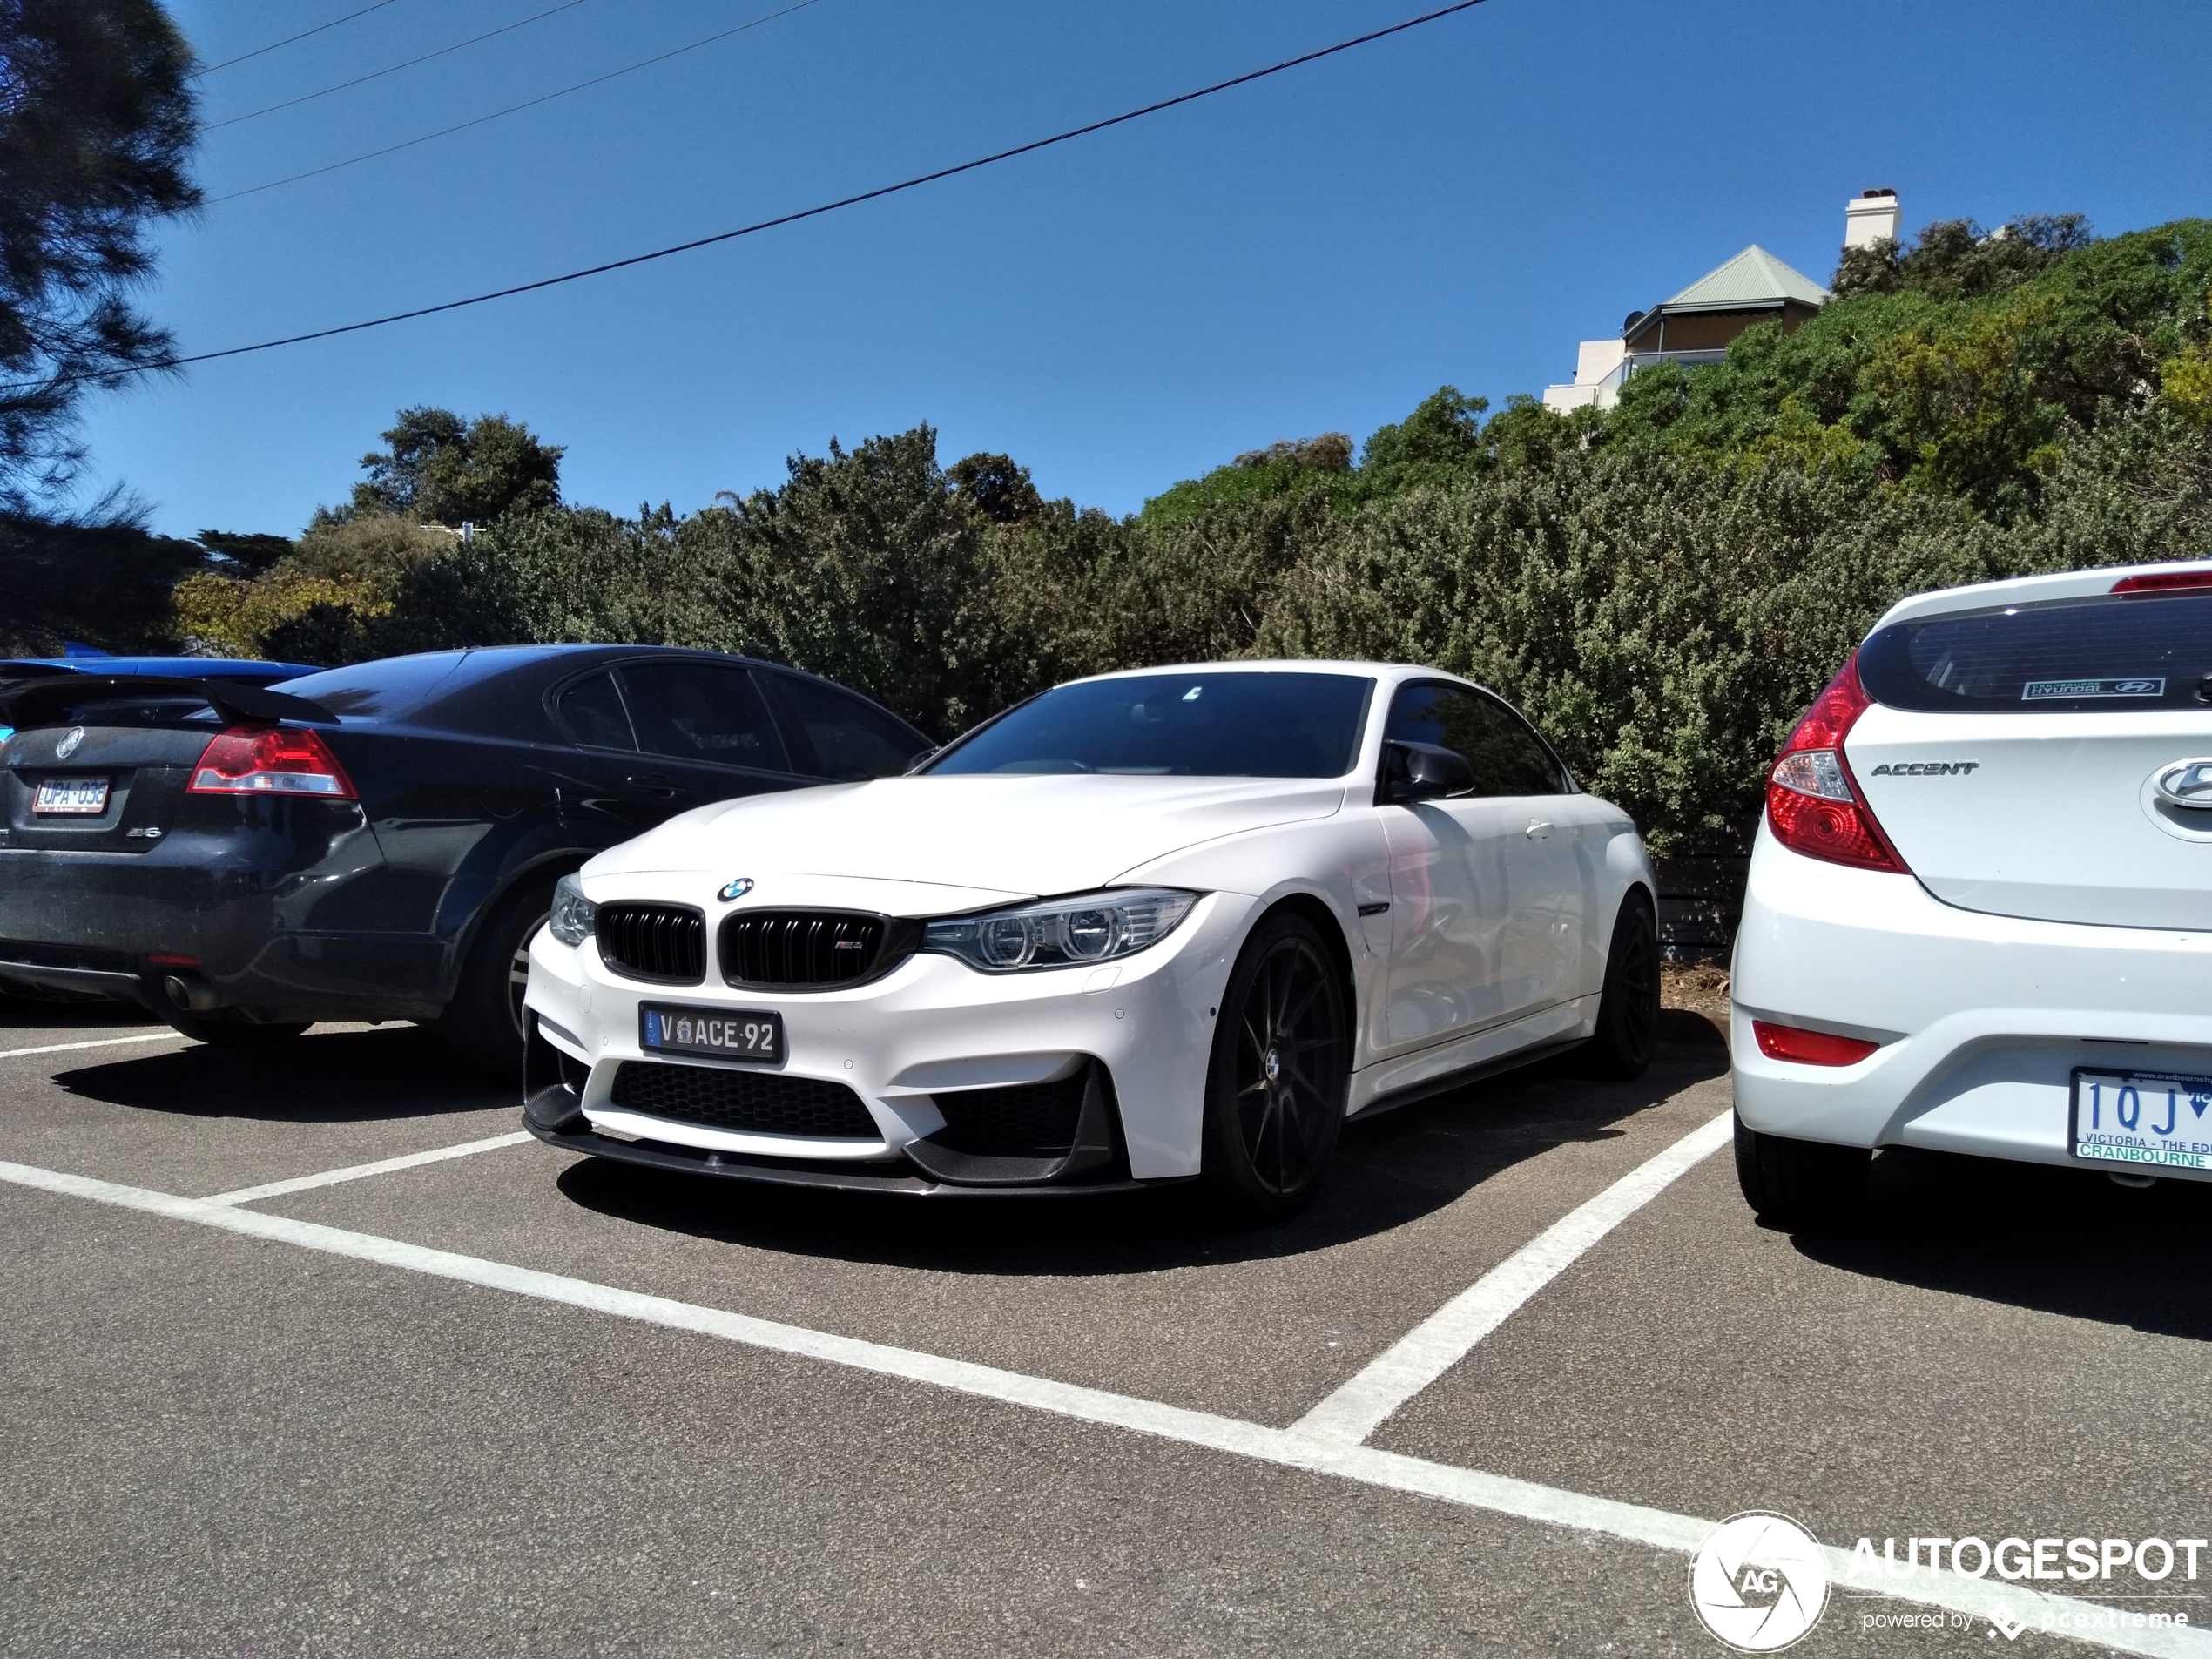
(1014, 837)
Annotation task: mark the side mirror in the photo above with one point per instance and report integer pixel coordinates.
(1414, 772)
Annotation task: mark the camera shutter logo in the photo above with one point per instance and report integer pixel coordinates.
(67, 746)
(1759, 1582)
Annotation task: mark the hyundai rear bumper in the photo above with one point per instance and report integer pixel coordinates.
(1981, 1020)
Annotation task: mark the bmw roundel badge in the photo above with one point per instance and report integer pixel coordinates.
(736, 889)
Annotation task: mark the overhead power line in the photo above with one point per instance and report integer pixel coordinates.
(877, 194)
(209, 69)
(379, 74)
(527, 104)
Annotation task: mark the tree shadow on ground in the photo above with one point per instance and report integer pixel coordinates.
(1391, 1170)
(2063, 1241)
(34, 1014)
(397, 1072)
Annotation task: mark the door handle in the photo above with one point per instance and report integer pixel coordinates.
(1539, 831)
(653, 783)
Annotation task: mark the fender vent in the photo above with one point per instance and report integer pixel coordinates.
(665, 943)
(751, 1101)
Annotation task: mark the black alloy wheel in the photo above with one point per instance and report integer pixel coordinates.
(1628, 1011)
(484, 1019)
(1281, 1064)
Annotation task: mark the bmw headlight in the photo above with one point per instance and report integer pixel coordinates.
(573, 914)
(1061, 932)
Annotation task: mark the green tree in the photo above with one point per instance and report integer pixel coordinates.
(439, 469)
(96, 120)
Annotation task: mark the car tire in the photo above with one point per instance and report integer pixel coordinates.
(1800, 1183)
(484, 1021)
(1276, 1078)
(229, 1031)
(1628, 1008)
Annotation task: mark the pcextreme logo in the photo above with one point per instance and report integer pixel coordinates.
(1759, 1582)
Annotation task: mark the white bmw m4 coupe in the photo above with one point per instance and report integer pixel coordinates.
(1149, 927)
(1979, 912)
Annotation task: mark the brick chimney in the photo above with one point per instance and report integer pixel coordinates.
(1869, 218)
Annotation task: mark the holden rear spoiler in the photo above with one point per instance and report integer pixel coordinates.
(49, 701)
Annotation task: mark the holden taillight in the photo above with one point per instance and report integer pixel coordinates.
(270, 760)
(1812, 802)
(1794, 1042)
(2163, 581)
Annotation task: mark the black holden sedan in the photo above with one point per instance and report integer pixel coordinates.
(376, 842)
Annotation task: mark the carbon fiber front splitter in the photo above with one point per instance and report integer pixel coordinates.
(551, 1114)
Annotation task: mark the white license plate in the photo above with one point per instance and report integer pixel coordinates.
(2151, 1119)
(87, 796)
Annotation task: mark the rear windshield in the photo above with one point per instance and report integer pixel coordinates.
(1203, 724)
(2113, 652)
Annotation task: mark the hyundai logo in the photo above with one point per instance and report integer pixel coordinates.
(67, 746)
(2188, 783)
(742, 885)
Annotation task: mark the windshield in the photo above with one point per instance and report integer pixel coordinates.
(1216, 723)
(2109, 654)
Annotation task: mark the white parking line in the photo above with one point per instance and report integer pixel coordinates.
(97, 1043)
(360, 1171)
(1288, 1448)
(1440, 1341)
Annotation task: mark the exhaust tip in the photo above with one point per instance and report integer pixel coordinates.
(189, 996)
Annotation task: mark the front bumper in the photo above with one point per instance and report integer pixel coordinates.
(1982, 1019)
(932, 1028)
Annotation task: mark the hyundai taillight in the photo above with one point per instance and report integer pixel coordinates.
(1813, 801)
(270, 760)
(1794, 1042)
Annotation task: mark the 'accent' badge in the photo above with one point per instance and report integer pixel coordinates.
(736, 889)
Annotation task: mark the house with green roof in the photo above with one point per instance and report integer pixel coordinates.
(1696, 325)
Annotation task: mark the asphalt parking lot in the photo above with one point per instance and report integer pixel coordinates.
(1485, 1396)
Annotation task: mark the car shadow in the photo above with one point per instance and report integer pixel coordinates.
(37, 1013)
(2070, 1241)
(1390, 1170)
(397, 1072)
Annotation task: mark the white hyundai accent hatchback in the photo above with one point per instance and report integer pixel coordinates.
(1979, 912)
(1173, 923)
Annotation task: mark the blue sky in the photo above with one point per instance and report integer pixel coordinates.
(1317, 252)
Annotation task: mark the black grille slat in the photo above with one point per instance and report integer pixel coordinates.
(663, 943)
(754, 1101)
(1030, 1120)
(802, 950)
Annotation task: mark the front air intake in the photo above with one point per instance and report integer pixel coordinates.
(759, 1103)
(665, 943)
(810, 950)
